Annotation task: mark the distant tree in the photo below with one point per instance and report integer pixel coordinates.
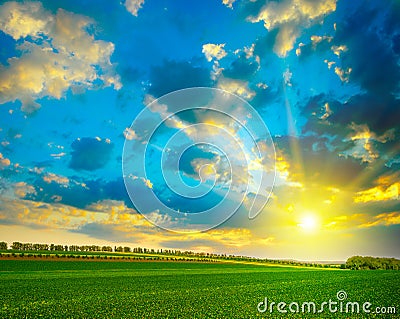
(58, 248)
(27, 246)
(16, 245)
(3, 245)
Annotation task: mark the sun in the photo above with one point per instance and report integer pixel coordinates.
(308, 223)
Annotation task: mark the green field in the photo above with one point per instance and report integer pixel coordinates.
(99, 289)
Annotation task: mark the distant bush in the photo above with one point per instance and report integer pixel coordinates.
(360, 262)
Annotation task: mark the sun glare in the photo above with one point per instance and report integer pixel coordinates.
(308, 223)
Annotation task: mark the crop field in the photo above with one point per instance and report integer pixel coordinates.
(95, 289)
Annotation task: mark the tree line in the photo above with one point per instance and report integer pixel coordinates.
(360, 262)
(30, 247)
(119, 249)
(354, 263)
(64, 248)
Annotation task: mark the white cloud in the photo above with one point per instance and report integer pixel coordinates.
(133, 6)
(290, 17)
(214, 51)
(57, 53)
(216, 71)
(287, 77)
(228, 3)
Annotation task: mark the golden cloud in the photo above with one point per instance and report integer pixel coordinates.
(290, 17)
(228, 3)
(214, 51)
(363, 139)
(343, 74)
(130, 134)
(57, 53)
(4, 162)
(385, 219)
(61, 216)
(50, 177)
(378, 193)
(237, 87)
(21, 189)
(126, 221)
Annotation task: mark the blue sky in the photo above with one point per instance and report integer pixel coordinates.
(322, 74)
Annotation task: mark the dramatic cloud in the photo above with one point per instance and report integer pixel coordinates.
(331, 105)
(365, 142)
(359, 128)
(378, 193)
(90, 153)
(370, 110)
(56, 53)
(315, 163)
(385, 219)
(290, 17)
(365, 55)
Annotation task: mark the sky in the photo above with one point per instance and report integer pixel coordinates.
(288, 148)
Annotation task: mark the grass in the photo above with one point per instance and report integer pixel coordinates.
(76, 289)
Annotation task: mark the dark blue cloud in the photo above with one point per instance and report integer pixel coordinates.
(78, 192)
(176, 75)
(396, 44)
(264, 44)
(191, 154)
(90, 153)
(242, 68)
(374, 65)
(317, 164)
(380, 113)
